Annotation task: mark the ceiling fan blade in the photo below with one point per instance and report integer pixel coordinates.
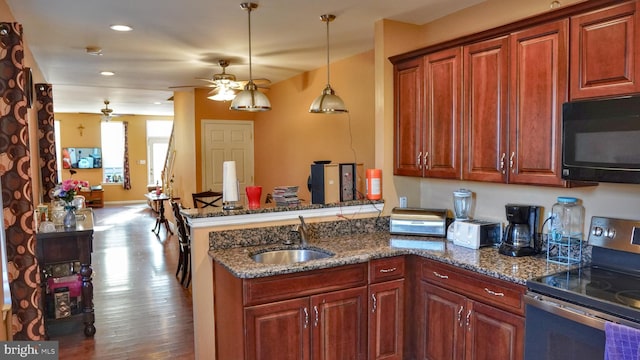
(190, 86)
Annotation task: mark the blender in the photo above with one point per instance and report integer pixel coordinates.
(462, 200)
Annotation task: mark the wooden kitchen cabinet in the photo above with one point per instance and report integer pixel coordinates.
(514, 79)
(287, 321)
(326, 326)
(464, 315)
(408, 118)
(386, 308)
(339, 325)
(512, 120)
(485, 114)
(604, 58)
(318, 314)
(427, 120)
(539, 75)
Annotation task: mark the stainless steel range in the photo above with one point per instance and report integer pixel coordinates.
(567, 311)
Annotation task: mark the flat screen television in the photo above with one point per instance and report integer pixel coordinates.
(81, 158)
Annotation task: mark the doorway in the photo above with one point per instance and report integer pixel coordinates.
(227, 140)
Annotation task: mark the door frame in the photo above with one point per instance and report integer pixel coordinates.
(203, 163)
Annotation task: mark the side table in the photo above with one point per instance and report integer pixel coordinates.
(69, 246)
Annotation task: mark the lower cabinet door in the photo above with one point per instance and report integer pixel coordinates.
(494, 334)
(443, 314)
(278, 330)
(386, 317)
(339, 325)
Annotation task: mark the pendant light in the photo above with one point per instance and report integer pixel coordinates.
(328, 102)
(250, 99)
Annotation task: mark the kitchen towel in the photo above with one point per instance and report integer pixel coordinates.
(229, 182)
(622, 342)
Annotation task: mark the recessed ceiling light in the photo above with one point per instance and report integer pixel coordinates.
(119, 27)
(157, 103)
(107, 73)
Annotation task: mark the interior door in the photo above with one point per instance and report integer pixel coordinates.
(227, 140)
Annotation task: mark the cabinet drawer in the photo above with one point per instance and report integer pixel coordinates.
(386, 269)
(499, 293)
(281, 287)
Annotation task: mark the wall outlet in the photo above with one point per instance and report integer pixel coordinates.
(142, 162)
(403, 201)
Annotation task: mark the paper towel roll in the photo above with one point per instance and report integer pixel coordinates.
(229, 182)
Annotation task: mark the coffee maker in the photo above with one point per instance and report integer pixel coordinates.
(521, 234)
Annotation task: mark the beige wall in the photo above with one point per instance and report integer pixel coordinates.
(91, 137)
(288, 138)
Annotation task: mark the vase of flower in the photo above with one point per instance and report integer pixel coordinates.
(69, 220)
(67, 191)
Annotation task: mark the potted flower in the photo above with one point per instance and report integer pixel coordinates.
(66, 191)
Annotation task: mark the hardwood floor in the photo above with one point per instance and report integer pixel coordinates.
(141, 310)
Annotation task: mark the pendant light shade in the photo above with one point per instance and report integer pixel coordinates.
(328, 102)
(250, 99)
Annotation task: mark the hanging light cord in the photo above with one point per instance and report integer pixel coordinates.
(250, 71)
(327, 19)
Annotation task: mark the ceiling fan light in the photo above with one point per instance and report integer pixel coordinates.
(250, 99)
(328, 103)
(222, 94)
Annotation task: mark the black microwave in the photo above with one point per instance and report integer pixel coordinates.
(601, 140)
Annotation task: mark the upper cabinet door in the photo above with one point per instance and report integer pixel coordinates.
(442, 113)
(539, 66)
(484, 124)
(603, 52)
(408, 134)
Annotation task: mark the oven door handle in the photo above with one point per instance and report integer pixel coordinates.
(567, 312)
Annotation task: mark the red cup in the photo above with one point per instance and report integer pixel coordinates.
(253, 196)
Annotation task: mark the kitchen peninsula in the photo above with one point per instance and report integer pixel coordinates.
(207, 224)
(359, 241)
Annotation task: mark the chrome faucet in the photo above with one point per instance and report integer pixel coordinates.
(303, 231)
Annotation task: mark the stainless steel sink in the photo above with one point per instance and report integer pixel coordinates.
(289, 256)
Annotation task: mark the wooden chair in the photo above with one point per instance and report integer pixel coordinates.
(206, 198)
(184, 244)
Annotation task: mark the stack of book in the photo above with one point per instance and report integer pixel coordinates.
(286, 196)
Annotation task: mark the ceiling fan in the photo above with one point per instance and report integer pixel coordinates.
(107, 113)
(226, 86)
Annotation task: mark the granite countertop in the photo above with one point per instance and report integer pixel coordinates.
(269, 208)
(359, 248)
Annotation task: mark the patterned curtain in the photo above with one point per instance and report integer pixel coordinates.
(126, 184)
(47, 139)
(17, 198)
